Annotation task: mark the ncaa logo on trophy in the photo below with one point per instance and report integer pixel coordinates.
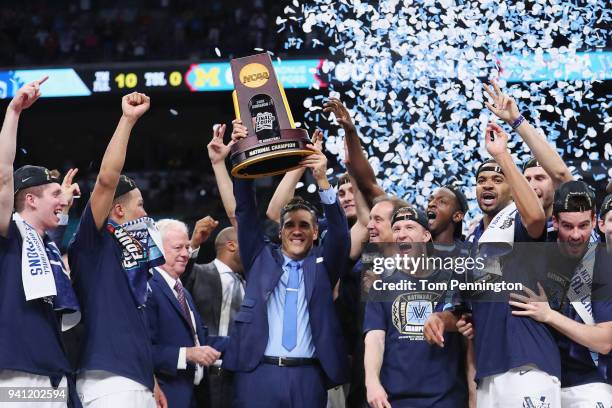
(273, 145)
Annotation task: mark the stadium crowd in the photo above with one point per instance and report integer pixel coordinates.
(68, 32)
(131, 315)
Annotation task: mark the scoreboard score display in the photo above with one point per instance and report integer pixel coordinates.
(121, 78)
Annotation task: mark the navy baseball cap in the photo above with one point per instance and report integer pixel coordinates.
(125, 185)
(32, 176)
(411, 214)
(574, 196)
(531, 162)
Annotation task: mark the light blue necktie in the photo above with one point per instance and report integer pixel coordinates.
(290, 312)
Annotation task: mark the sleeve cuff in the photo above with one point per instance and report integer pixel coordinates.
(328, 196)
(182, 359)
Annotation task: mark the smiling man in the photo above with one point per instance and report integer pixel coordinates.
(583, 320)
(35, 291)
(286, 337)
(177, 332)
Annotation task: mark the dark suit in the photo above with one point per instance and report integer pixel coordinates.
(204, 282)
(263, 267)
(170, 331)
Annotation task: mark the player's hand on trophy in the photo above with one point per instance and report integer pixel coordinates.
(502, 105)
(333, 105)
(26, 95)
(317, 162)
(433, 331)
(134, 105)
(217, 150)
(239, 131)
(465, 327)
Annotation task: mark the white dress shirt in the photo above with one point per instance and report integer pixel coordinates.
(227, 288)
(182, 358)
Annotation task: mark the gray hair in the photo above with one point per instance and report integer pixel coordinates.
(171, 224)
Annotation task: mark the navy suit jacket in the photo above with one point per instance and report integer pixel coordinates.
(169, 332)
(263, 265)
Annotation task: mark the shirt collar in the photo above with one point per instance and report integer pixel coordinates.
(286, 261)
(169, 279)
(221, 267)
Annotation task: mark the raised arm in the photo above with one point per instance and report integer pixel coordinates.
(336, 245)
(361, 170)
(134, 106)
(23, 99)
(286, 188)
(283, 193)
(359, 230)
(505, 108)
(217, 152)
(527, 202)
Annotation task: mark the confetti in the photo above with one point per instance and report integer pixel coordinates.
(411, 75)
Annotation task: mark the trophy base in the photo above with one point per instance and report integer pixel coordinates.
(252, 159)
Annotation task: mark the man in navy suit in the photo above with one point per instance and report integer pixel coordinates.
(177, 332)
(286, 347)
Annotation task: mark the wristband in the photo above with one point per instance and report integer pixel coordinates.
(517, 122)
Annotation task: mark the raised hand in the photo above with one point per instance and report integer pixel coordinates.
(202, 230)
(239, 131)
(333, 105)
(496, 140)
(502, 105)
(70, 190)
(317, 139)
(317, 162)
(27, 95)
(217, 150)
(134, 105)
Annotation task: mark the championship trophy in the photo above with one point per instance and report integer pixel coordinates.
(273, 145)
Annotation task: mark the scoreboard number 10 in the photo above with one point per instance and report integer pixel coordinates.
(129, 80)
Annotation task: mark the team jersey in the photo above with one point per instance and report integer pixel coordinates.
(414, 373)
(503, 341)
(116, 337)
(579, 365)
(29, 330)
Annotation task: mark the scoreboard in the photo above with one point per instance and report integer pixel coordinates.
(163, 77)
